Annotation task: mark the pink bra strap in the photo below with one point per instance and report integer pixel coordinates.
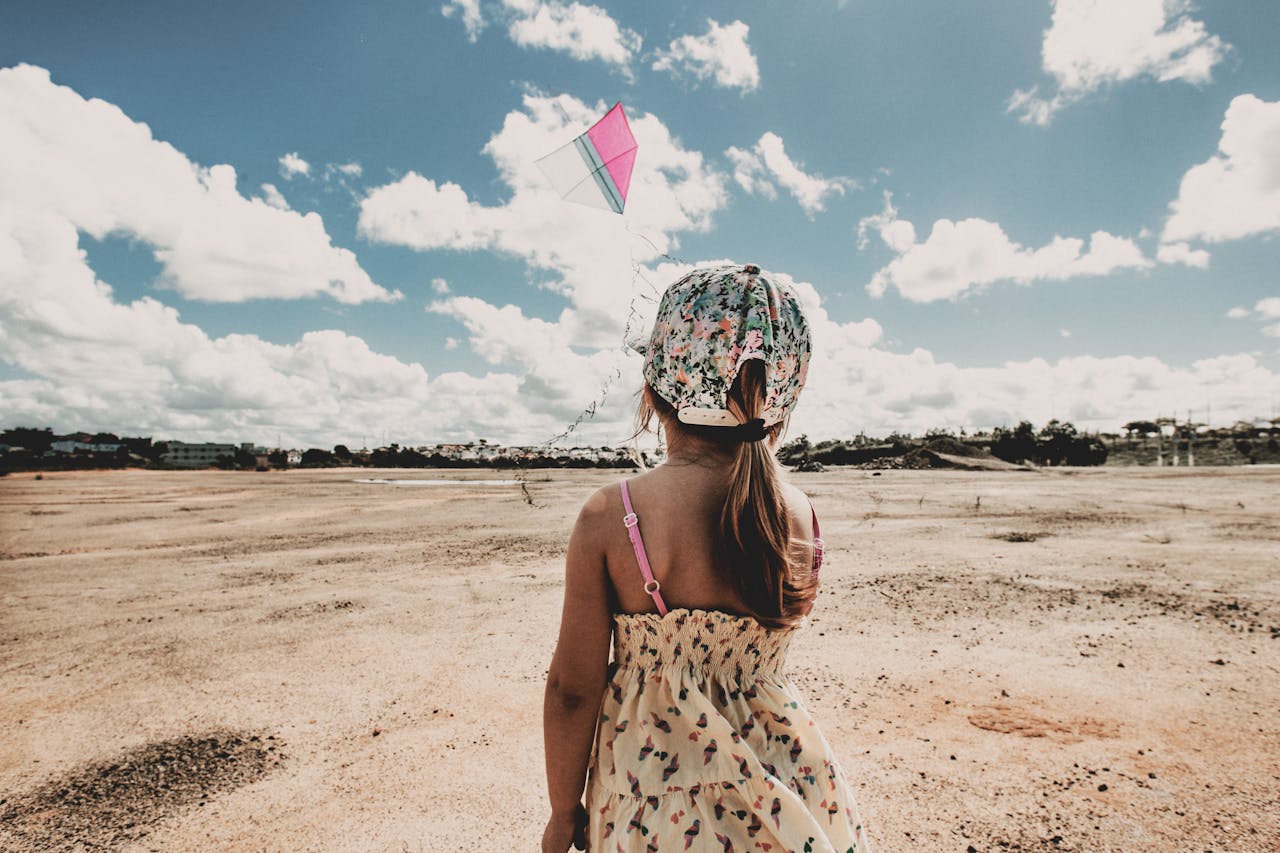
(633, 531)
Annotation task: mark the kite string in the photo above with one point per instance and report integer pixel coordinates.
(589, 413)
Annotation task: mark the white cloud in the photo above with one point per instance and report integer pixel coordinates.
(1091, 44)
(855, 383)
(468, 11)
(138, 368)
(1267, 310)
(271, 195)
(966, 256)
(291, 165)
(351, 170)
(584, 32)
(1065, 333)
(766, 166)
(722, 55)
(90, 165)
(1235, 193)
(554, 377)
(440, 286)
(1182, 253)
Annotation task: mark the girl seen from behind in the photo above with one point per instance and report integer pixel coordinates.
(697, 573)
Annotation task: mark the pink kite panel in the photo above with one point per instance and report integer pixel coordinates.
(616, 146)
(620, 170)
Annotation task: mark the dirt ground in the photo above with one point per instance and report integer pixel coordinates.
(1063, 660)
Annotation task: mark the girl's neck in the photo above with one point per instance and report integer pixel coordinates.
(686, 451)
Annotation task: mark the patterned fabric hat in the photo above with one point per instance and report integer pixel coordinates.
(709, 324)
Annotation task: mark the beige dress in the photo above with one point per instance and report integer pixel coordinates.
(703, 743)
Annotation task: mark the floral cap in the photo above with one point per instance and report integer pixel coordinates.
(712, 321)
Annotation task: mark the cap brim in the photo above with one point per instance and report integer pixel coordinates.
(706, 417)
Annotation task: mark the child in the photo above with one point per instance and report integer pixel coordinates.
(693, 737)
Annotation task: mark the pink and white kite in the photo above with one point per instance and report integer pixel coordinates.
(595, 169)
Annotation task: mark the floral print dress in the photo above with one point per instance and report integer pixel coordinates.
(703, 744)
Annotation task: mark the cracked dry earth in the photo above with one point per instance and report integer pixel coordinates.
(1062, 660)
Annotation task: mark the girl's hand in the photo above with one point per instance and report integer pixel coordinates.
(566, 829)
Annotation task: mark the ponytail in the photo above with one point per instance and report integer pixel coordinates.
(755, 526)
(757, 554)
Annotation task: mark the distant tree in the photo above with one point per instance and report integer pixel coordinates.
(795, 450)
(278, 459)
(32, 438)
(385, 457)
(1014, 445)
(410, 458)
(314, 457)
(105, 438)
(245, 459)
(341, 451)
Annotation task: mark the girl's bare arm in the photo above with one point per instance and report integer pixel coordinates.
(579, 669)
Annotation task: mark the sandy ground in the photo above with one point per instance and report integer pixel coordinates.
(1068, 660)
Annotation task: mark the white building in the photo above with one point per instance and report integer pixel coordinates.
(186, 455)
(84, 446)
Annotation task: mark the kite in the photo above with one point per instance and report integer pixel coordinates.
(595, 169)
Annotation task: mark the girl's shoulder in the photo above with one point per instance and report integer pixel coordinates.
(800, 508)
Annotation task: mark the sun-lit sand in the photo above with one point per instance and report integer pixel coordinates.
(1068, 660)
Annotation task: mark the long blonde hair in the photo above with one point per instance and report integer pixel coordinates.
(756, 552)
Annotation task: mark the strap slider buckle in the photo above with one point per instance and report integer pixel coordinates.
(630, 519)
(652, 587)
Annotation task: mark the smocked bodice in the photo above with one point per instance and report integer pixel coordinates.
(712, 644)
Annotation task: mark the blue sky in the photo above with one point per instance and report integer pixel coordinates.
(995, 210)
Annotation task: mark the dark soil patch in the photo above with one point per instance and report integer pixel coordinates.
(1020, 535)
(111, 803)
(929, 597)
(1080, 518)
(232, 580)
(313, 608)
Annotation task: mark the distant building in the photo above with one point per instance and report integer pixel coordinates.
(185, 455)
(84, 447)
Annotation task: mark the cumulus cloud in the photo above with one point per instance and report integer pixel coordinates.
(965, 257)
(138, 367)
(722, 55)
(1236, 192)
(553, 375)
(350, 170)
(578, 251)
(271, 195)
(857, 383)
(468, 11)
(440, 286)
(1269, 309)
(91, 166)
(291, 165)
(582, 31)
(1182, 253)
(766, 166)
(1266, 311)
(1091, 44)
